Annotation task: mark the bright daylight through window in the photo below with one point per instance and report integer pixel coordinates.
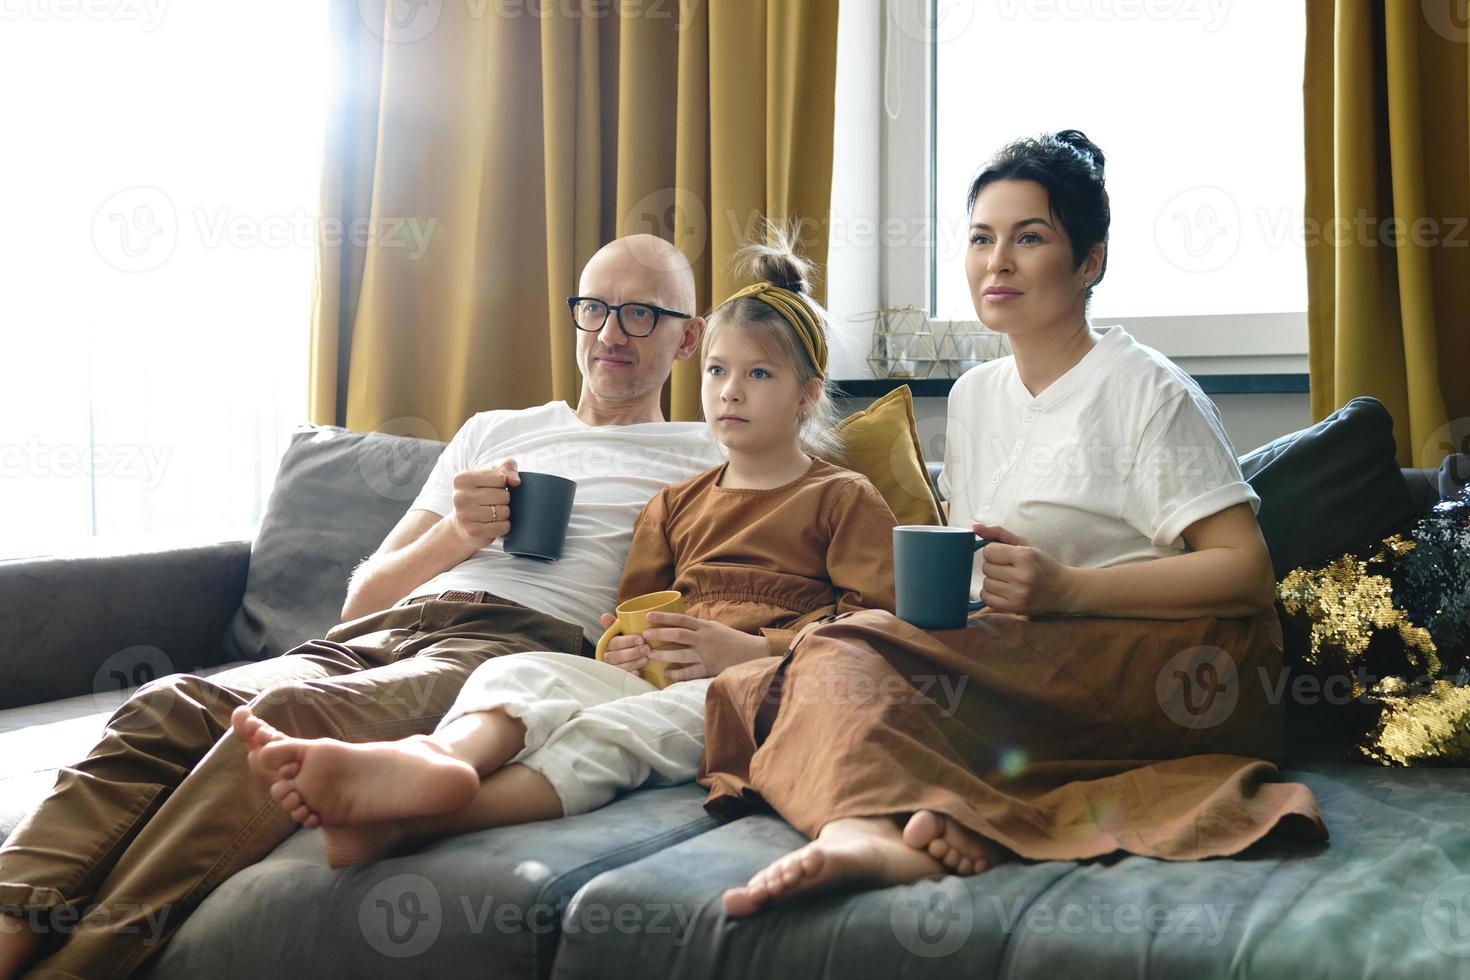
(160, 245)
(1197, 105)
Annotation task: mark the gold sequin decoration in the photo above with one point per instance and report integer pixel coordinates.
(1432, 728)
(1347, 605)
(1350, 602)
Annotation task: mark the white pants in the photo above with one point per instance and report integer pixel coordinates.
(592, 730)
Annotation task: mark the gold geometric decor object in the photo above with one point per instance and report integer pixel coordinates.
(968, 344)
(903, 344)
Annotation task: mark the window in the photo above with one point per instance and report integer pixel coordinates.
(159, 192)
(1197, 104)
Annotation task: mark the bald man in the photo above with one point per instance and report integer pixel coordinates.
(165, 807)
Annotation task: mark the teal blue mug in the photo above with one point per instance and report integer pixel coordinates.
(931, 570)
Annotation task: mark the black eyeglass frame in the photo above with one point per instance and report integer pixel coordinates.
(658, 314)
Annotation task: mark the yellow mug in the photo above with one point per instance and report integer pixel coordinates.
(632, 617)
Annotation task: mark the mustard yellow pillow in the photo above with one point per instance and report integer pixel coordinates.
(882, 443)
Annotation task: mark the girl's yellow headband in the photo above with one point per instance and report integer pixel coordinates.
(796, 312)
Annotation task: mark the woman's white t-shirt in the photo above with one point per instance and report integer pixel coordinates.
(1109, 464)
(617, 468)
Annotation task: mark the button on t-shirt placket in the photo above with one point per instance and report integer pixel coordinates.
(1006, 466)
(994, 485)
(1028, 418)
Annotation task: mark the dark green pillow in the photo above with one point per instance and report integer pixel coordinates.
(1331, 488)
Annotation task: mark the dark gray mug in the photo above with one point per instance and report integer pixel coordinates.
(540, 510)
(931, 570)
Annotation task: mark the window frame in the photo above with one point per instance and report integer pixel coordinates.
(1202, 344)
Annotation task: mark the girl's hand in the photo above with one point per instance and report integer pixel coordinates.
(703, 645)
(628, 651)
(1020, 578)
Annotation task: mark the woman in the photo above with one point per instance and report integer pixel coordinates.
(1129, 606)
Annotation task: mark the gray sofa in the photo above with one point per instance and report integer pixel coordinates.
(633, 890)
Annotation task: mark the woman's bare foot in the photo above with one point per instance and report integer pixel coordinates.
(856, 852)
(325, 781)
(954, 845)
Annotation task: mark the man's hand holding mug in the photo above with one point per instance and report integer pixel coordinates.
(482, 503)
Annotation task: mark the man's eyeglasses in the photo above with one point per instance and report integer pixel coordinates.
(636, 319)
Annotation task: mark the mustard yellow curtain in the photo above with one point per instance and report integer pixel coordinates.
(1388, 195)
(478, 154)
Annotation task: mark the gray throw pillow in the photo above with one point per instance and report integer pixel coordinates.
(336, 497)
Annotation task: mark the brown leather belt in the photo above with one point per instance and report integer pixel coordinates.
(459, 595)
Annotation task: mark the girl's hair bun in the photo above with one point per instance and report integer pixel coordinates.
(774, 259)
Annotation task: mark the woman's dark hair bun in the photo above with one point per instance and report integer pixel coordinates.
(1078, 140)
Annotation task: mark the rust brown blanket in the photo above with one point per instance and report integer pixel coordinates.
(1057, 737)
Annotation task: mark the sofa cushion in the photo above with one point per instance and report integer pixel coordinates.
(1453, 475)
(337, 495)
(485, 904)
(38, 739)
(1281, 909)
(882, 443)
(104, 617)
(1329, 488)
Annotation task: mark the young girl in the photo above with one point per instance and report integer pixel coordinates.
(1117, 692)
(759, 547)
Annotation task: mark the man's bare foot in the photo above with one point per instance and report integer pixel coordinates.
(325, 781)
(853, 853)
(954, 845)
(362, 843)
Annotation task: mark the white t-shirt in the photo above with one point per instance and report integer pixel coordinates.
(1109, 464)
(618, 469)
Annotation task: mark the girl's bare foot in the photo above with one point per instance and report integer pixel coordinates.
(255, 734)
(954, 845)
(327, 781)
(362, 843)
(853, 853)
(512, 795)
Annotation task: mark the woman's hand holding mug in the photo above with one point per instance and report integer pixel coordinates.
(1022, 579)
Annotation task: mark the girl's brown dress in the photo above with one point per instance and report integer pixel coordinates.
(1057, 737)
(766, 562)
